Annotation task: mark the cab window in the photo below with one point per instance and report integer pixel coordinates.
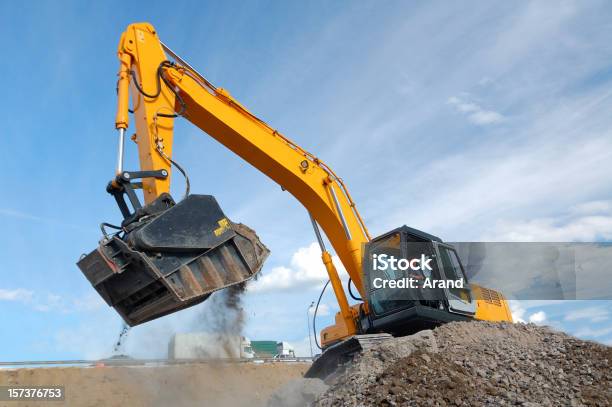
(453, 271)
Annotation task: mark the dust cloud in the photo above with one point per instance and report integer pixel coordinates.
(223, 318)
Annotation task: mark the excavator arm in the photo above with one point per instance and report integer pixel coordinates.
(162, 90)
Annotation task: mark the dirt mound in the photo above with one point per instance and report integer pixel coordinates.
(477, 363)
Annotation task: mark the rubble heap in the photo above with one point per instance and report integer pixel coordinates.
(477, 363)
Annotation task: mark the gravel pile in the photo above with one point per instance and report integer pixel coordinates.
(477, 363)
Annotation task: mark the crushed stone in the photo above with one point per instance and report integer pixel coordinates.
(476, 363)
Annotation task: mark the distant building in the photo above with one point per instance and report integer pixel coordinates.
(272, 349)
(209, 346)
(264, 349)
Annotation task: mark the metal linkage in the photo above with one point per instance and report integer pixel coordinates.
(121, 151)
(342, 219)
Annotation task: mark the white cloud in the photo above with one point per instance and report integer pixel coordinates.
(475, 113)
(593, 314)
(538, 317)
(518, 311)
(37, 302)
(19, 294)
(306, 271)
(47, 302)
(485, 117)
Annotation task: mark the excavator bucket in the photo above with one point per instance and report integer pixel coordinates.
(170, 257)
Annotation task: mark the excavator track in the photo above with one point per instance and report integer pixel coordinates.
(335, 358)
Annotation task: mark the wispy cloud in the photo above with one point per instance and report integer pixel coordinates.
(474, 112)
(587, 222)
(593, 314)
(11, 213)
(585, 229)
(51, 302)
(19, 295)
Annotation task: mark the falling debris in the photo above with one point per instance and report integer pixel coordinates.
(120, 344)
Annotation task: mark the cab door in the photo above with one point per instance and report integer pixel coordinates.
(460, 300)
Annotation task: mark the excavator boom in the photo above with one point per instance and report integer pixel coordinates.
(161, 91)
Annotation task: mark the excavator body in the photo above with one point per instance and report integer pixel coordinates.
(167, 256)
(408, 310)
(399, 312)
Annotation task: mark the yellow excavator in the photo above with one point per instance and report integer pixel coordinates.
(168, 255)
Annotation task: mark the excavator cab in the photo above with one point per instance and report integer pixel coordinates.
(396, 310)
(167, 256)
(404, 309)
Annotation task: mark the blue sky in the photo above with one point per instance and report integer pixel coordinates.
(472, 121)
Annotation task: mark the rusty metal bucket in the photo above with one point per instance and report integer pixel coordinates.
(171, 260)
